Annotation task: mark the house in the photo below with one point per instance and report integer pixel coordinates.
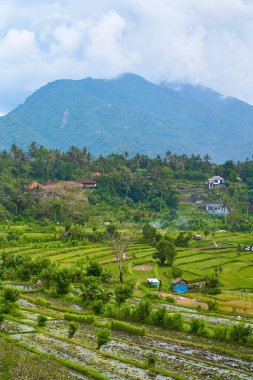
(216, 208)
(196, 286)
(35, 185)
(87, 183)
(248, 248)
(215, 182)
(180, 285)
(197, 237)
(153, 282)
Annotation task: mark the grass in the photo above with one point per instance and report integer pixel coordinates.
(199, 259)
(196, 261)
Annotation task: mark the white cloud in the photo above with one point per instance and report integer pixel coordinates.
(105, 53)
(207, 42)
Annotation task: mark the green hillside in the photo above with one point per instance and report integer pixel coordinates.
(130, 113)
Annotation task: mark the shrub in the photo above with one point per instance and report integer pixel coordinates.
(73, 326)
(240, 333)
(111, 311)
(173, 322)
(125, 312)
(122, 292)
(197, 326)
(142, 311)
(103, 337)
(221, 332)
(212, 305)
(170, 299)
(212, 291)
(41, 320)
(177, 322)
(94, 269)
(10, 294)
(151, 360)
(152, 296)
(158, 317)
(97, 306)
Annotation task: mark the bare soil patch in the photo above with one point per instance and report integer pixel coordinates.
(184, 301)
(143, 267)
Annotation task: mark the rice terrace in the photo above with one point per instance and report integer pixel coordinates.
(126, 190)
(154, 333)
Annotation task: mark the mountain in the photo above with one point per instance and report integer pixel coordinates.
(130, 113)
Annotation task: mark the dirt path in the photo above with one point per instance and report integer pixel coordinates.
(184, 301)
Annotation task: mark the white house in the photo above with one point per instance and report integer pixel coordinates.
(216, 208)
(215, 181)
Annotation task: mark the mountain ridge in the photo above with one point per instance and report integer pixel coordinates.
(133, 114)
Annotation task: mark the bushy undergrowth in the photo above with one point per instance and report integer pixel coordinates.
(80, 318)
(131, 329)
(160, 317)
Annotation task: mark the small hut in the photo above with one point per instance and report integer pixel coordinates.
(153, 282)
(180, 285)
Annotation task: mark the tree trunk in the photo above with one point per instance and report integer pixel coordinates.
(121, 274)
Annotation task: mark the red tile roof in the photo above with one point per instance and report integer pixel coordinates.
(86, 181)
(35, 185)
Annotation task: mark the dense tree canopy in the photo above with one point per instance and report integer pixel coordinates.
(139, 187)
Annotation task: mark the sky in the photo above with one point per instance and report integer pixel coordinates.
(205, 42)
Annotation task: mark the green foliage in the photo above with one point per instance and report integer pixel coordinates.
(176, 272)
(212, 305)
(175, 322)
(62, 279)
(170, 299)
(97, 306)
(212, 284)
(1, 319)
(9, 301)
(42, 302)
(240, 333)
(182, 240)
(10, 294)
(73, 326)
(103, 337)
(142, 311)
(151, 360)
(94, 269)
(122, 292)
(93, 289)
(90, 319)
(165, 252)
(13, 235)
(146, 105)
(158, 317)
(197, 326)
(123, 326)
(221, 333)
(151, 234)
(41, 320)
(238, 222)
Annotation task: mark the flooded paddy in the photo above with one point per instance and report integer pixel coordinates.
(112, 368)
(186, 367)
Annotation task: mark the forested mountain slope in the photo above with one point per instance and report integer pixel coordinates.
(131, 114)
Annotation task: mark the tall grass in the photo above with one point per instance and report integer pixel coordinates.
(127, 327)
